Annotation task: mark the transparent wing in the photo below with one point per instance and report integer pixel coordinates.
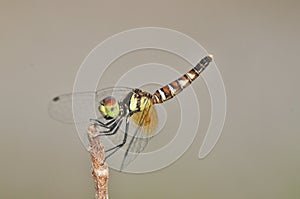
(79, 108)
(136, 144)
(60, 107)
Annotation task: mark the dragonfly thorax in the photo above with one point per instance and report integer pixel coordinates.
(139, 101)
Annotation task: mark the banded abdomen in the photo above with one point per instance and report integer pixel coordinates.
(169, 91)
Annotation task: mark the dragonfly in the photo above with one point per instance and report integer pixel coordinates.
(127, 115)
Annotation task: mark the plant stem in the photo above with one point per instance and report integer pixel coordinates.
(99, 168)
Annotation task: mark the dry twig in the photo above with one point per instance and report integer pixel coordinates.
(99, 168)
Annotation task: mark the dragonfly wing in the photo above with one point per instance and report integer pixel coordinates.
(135, 146)
(60, 107)
(150, 122)
(85, 106)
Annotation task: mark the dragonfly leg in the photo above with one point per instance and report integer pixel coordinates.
(115, 148)
(110, 128)
(105, 125)
(115, 129)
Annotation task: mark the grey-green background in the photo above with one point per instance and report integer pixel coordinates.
(256, 47)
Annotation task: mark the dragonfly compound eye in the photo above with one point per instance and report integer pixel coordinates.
(109, 107)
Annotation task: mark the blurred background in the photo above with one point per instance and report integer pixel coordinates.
(256, 46)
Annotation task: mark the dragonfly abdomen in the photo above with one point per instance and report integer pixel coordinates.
(170, 90)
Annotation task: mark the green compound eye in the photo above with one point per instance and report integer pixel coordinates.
(109, 107)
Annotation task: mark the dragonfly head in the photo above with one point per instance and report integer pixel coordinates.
(109, 107)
